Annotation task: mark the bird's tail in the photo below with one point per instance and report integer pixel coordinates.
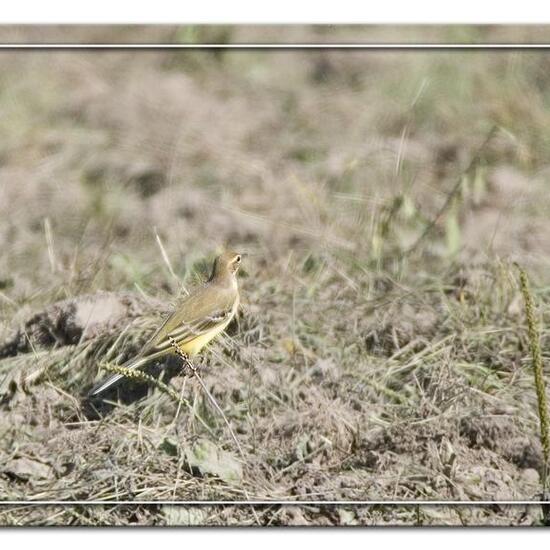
(115, 379)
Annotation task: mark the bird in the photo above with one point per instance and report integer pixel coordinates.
(200, 317)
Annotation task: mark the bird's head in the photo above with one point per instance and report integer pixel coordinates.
(227, 263)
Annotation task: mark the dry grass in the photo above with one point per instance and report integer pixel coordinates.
(356, 370)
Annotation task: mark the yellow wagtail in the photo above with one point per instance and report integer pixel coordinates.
(200, 317)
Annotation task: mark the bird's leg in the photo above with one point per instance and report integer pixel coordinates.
(183, 356)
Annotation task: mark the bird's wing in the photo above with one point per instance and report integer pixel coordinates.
(195, 316)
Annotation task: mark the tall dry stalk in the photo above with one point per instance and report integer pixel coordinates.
(536, 355)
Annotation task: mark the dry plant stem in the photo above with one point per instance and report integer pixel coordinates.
(534, 342)
(141, 376)
(454, 191)
(187, 363)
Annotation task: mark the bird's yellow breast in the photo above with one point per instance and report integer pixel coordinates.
(194, 346)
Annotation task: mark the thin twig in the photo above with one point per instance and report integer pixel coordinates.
(187, 363)
(454, 191)
(168, 262)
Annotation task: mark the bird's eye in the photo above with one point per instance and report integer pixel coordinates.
(238, 259)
